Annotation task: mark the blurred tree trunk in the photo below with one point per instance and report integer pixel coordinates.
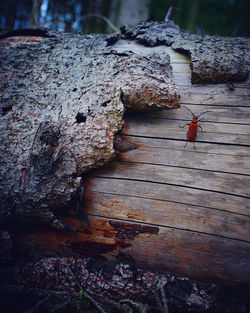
(88, 7)
(129, 12)
(11, 14)
(69, 17)
(193, 16)
(53, 9)
(35, 13)
(105, 9)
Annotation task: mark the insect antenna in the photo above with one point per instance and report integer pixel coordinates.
(203, 113)
(189, 110)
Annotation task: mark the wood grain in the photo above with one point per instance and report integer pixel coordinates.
(198, 199)
(189, 159)
(200, 179)
(170, 125)
(217, 114)
(201, 147)
(163, 205)
(170, 129)
(150, 247)
(169, 214)
(178, 194)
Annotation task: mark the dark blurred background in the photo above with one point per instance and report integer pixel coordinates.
(222, 17)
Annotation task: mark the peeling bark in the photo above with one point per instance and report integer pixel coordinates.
(63, 100)
(214, 59)
(152, 33)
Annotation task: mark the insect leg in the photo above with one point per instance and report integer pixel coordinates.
(183, 125)
(186, 141)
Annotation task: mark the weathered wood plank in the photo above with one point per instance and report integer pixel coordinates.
(201, 147)
(219, 114)
(177, 57)
(212, 132)
(198, 199)
(215, 99)
(189, 159)
(215, 89)
(184, 252)
(182, 79)
(205, 180)
(169, 214)
(162, 248)
(202, 256)
(179, 194)
(208, 127)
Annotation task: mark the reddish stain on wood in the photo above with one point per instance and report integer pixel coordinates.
(130, 230)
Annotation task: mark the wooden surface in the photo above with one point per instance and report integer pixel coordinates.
(164, 206)
(195, 201)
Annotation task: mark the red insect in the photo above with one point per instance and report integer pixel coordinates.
(193, 127)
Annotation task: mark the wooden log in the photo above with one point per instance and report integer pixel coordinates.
(162, 205)
(215, 99)
(148, 245)
(189, 159)
(218, 114)
(169, 214)
(152, 185)
(201, 147)
(212, 132)
(232, 184)
(177, 194)
(163, 126)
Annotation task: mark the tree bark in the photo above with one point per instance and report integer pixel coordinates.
(11, 14)
(64, 102)
(214, 59)
(122, 286)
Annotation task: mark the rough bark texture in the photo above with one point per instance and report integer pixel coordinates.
(124, 287)
(152, 33)
(214, 59)
(62, 102)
